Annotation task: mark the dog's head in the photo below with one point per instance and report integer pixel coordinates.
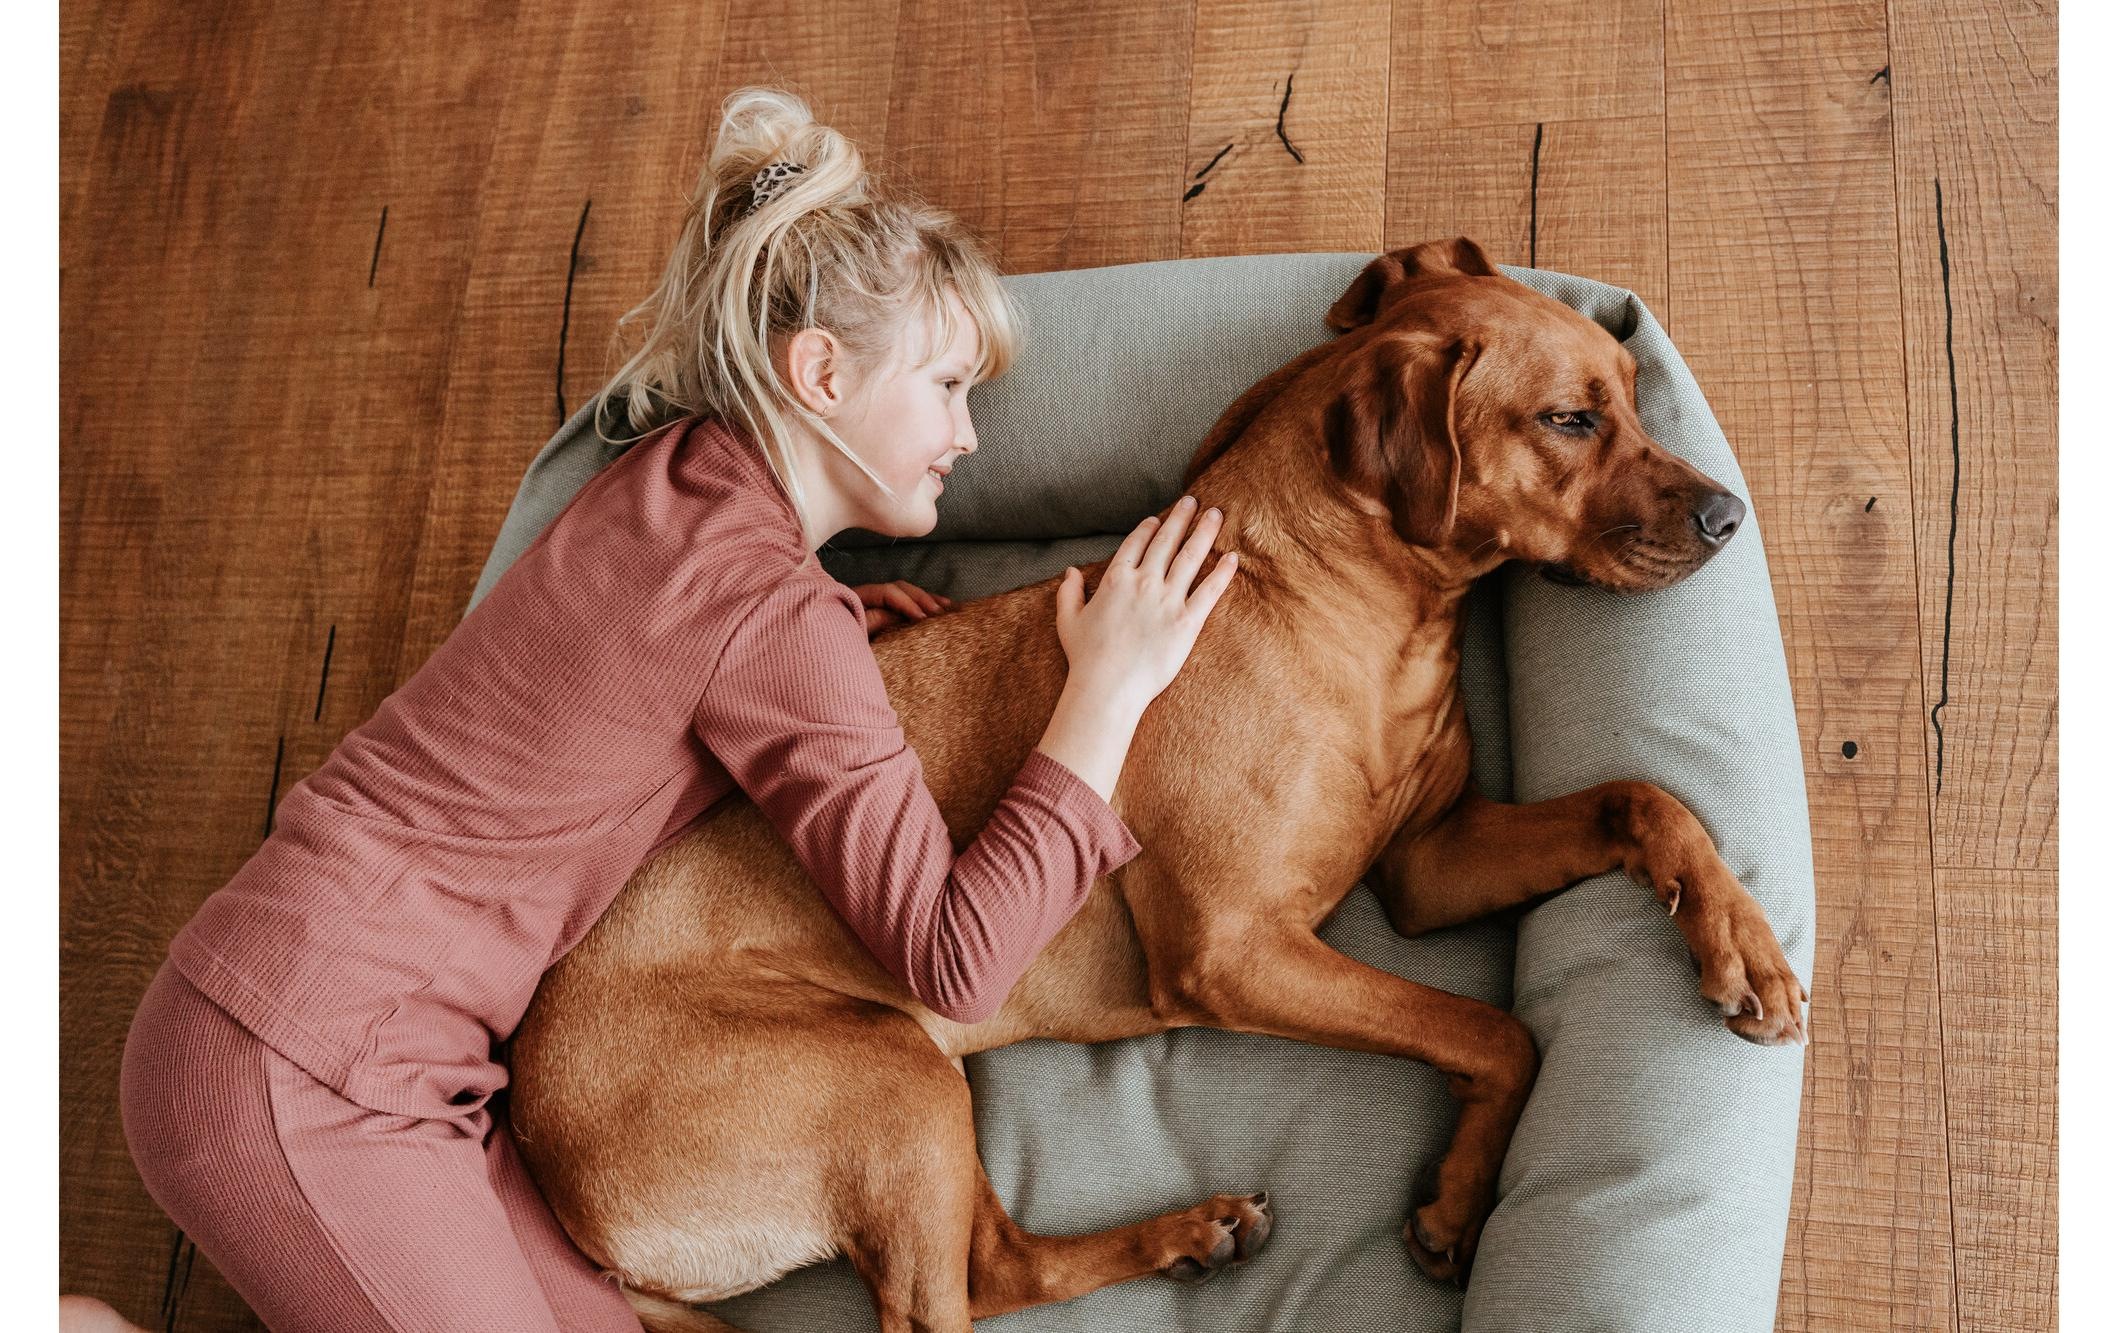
(1485, 416)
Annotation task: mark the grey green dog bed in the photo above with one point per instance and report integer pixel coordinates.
(1647, 1187)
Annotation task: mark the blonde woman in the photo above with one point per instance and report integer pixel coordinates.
(305, 1084)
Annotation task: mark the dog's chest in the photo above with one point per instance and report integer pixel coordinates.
(1413, 746)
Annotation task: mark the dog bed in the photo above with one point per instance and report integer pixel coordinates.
(1647, 1187)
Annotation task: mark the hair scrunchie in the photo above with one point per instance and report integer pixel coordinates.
(768, 181)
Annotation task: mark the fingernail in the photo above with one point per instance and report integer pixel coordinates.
(1215, 511)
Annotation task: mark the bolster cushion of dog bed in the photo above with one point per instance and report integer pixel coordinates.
(1647, 1186)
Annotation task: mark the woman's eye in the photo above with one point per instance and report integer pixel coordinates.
(951, 384)
(1577, 423)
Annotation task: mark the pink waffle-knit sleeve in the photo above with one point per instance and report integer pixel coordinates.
(797, 712)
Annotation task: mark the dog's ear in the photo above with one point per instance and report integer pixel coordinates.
(1390, 432)
(1376, 287)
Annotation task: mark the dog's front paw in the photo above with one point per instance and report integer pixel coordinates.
(1441, 1235)
(1742, 971)
(1222, 1232)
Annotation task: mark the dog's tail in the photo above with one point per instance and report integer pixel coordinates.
(658, 1314)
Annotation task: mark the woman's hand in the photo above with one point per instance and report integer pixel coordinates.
(1129, 641)
(898, 603)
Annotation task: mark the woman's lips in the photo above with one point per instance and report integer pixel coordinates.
(938, 484)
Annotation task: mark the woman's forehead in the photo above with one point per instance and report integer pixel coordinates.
(962, 351)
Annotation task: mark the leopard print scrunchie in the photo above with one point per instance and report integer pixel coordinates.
(769, 179)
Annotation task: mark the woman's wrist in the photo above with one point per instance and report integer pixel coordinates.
(1091, 730)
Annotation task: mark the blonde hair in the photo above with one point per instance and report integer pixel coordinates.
(832, 247)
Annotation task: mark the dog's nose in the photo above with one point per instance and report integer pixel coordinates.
(1719, 517)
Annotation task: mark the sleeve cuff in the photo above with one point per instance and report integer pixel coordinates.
(1106, 835)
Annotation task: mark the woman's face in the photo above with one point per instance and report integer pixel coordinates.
(909, 423)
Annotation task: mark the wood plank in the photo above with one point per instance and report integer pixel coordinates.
(1536, 130)
(1519, 61)
(1783, 293)
(2000, 1011)
(245, 415)
(1288, 119)
(839, 58)
(1975, 92)
(1058, 136)
(1584, 197)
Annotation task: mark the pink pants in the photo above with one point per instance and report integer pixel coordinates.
(326, 1215)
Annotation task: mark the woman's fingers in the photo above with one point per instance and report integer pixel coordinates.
(926, 600)
(897, 599)
(1129, 551)
(1185, 566)
(1164, 546)
(1211, 587)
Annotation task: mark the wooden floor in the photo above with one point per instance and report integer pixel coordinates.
(330, 274)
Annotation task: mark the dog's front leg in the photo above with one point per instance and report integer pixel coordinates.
(1278, 979)
(1485, 855)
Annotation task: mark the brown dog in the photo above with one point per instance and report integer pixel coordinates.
(718, 1085)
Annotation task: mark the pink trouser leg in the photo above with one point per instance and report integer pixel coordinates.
(327, 1215)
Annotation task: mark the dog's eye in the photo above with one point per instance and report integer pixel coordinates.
(1573, 423)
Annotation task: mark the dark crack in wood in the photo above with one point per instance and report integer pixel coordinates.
(176, 1280)
(272, 797)
(1941, 235)
(566, 312)
(1536, 159)
(326, 677)
(376, 258)
(1870, 505)
(1280, 126)
(1200, 174)
(1882, 74)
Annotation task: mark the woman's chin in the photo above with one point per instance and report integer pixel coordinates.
(915, 524)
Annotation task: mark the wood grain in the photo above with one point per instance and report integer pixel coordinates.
(1783, 295)
(1057, 133)
(1982, 354)
(292, 421)
(1582, 197)
(2000, 1006)
(1288, 118)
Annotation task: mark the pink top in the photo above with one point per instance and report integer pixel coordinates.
(655, 648)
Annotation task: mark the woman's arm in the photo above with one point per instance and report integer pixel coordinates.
(796, 710)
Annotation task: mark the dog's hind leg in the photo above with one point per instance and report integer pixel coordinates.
(1012, 1268)
(921, 1224)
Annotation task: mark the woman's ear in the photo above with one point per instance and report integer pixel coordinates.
(816, 372)
(1390, 432)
